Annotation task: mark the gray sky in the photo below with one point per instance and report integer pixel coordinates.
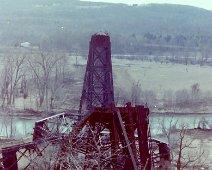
(207, 4)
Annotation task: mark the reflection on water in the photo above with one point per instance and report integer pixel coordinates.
(15, 127)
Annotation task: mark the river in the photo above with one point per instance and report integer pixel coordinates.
(24, 127)
(188, 120)
(16, 127)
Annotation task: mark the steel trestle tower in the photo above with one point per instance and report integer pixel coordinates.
(98, 81)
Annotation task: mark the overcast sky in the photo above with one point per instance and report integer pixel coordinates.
(207, 4)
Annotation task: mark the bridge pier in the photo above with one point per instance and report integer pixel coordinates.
(9, 159)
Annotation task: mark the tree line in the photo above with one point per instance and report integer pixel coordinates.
(154, 29)
(39, 75)
(192, 98)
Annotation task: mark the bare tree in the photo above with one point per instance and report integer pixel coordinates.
(48, 74)
(188, 155)
(57, 79)
(195, 94)
(168, 128)
(99, 155)
(182, 98)
(45, 73)
(168, 98)
(149, 97)
(136, 93)
(13, 72)
(184, 150)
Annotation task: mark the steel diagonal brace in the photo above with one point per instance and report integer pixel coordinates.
(127, 141)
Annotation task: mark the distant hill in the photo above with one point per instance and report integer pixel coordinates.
(69, 24)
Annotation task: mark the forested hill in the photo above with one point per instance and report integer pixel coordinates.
(68, 25)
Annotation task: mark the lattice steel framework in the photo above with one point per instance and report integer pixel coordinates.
(98, 81)
(121, 149)
(48, 132)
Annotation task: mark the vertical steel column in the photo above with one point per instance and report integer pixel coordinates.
(130, 127)
(142, 130)
(127, 142)
(10, 159)
(38, 131)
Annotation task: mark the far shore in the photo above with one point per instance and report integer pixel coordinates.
(180, 113)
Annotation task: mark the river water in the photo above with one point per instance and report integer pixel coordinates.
(19, 127)
(16, 127)
(188, 120)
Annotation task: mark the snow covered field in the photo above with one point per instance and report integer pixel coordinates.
(157, 76)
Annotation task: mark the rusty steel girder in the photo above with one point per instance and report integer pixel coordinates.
(128, 136)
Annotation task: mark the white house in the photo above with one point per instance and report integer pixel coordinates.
(25, 44)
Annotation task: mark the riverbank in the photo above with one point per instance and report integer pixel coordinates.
(29, 113)
(7, 142)
(180, 113)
